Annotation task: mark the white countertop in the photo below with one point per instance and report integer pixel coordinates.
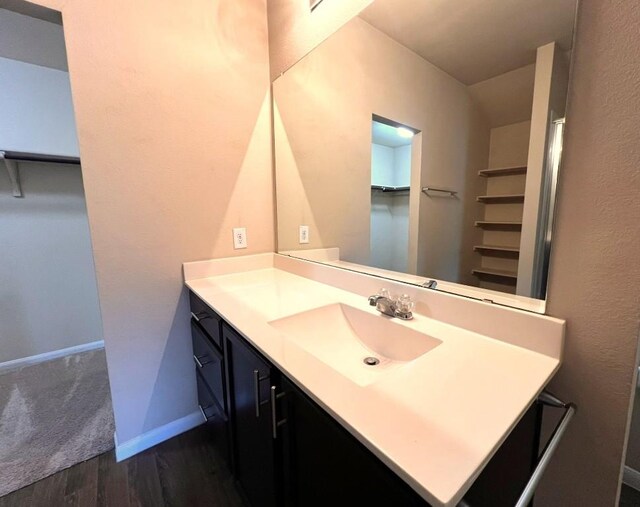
(435, 421)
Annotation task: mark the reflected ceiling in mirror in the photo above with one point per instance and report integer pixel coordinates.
(423, 140)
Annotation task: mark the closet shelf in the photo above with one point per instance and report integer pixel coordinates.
(503, 171)
(501, 273)
(486, 224)
(497, 248)
(499, 199)
(12, 158)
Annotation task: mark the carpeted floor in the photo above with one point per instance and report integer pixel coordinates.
(53, 415)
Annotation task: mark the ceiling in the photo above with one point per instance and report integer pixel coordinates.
(32, 10)
(474, 40)
(387, 135)
(507, 98)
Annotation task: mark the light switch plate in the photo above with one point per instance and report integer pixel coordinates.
(239, 237)
(304, 234)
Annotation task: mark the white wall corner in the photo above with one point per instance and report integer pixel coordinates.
(156, 436)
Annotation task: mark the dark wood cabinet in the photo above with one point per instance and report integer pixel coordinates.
(209, 363)
(250, 381)
(285, 450)
(324, 465)
(208, 320)
(210, 380)
(215, 420)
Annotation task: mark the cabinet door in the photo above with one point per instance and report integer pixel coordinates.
(250, 379)
(325, 465)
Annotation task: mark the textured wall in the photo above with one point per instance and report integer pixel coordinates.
(595, 264)
(172, 109)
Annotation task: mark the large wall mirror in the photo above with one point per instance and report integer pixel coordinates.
(422, 141)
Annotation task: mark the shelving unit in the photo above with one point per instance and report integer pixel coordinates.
(496, 224)
(502, 171)
(501, 223)
(498, 199)
(501, 273)
(497, 249)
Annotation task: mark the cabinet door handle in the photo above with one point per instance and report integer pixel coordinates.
(275, 424)
(198, 362)
(195, 317)
(256, 390)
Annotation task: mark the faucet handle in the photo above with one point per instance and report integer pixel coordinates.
(384, 293)
(405, 304)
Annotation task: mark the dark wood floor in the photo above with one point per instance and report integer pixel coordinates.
(184, 471)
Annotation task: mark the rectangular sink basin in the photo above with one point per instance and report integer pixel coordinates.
(343, 337)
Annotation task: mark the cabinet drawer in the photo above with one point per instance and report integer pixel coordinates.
(207, 318)
(216, 422)
(209, 364)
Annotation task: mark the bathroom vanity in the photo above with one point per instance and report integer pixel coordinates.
(448, 413)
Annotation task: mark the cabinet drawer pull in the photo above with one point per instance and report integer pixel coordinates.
(256, 390)
(206, 419)
(275, 424)
(198, 362)
(199, 316)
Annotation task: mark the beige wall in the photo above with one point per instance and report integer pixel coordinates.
(172, 109)
(323, 154)
(294, 30)
(595, 273)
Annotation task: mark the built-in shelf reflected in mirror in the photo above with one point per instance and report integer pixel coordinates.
(418, 143)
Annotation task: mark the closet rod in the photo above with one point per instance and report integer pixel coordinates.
(38, 157)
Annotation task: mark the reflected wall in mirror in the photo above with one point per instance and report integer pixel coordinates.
(422, 141)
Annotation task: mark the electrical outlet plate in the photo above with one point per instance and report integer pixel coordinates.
(304, 234)
(239, 237)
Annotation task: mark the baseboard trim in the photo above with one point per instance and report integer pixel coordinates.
(631, 478)
(47, 356)
(155, 436)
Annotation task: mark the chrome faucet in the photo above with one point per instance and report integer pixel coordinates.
(400, 307)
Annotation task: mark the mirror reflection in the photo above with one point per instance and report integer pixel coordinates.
(423, 140)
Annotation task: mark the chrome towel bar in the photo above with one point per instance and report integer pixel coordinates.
(547, 398)
(452, 193)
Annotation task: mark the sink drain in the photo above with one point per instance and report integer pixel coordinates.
(371, 361)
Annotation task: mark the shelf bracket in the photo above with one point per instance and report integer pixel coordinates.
(14, 175)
